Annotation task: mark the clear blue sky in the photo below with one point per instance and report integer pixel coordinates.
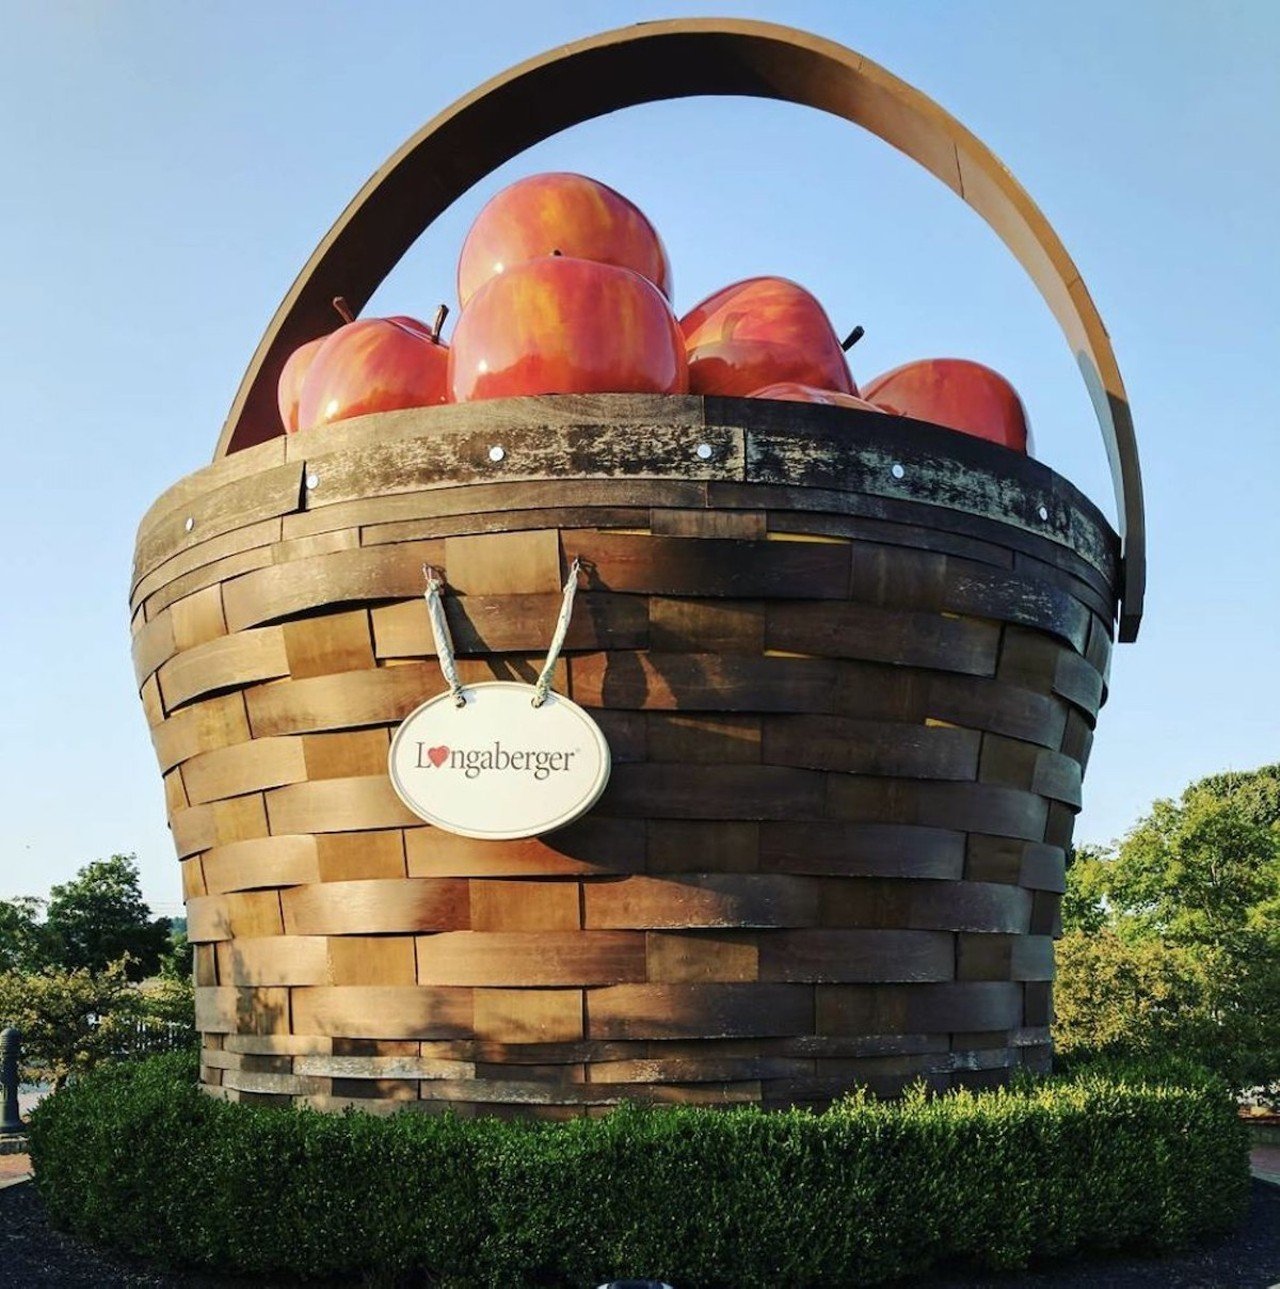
(168, 167)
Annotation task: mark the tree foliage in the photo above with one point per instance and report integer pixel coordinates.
(1172, 939)
(67, 979)
(25, 943)
(179, 959)
(100, 916)
(70, 1020)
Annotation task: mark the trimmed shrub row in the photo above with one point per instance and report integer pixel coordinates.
(137, 1158)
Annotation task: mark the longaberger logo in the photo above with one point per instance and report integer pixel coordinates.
(498, 766)
(473, 762)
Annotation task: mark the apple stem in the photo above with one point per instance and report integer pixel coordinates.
(441, 314)
(343, 308)
(557, 251)
(852, 338)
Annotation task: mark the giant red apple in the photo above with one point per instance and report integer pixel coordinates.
(957, 393)
(374, 365)
(567, 214)
(790, 391)
(759, 332)
(292, 375)
(558, 325)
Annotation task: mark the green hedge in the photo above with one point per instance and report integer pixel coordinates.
(138, 1158)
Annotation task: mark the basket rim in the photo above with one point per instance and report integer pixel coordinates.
(825, 451)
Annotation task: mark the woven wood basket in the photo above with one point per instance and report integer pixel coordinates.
(848, 666)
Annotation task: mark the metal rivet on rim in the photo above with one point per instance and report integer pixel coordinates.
(190, 524)
(496, 453)
(1043, 512)
(704, 451)
(313, 481)
(897, 470)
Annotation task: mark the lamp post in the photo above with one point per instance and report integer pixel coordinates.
(10, 1047)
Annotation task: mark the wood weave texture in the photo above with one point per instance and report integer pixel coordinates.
(849, 668)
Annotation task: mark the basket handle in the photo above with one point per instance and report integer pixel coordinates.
(676, 59)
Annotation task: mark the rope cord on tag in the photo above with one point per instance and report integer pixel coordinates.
(440, 629)
(444, 641)
(542, 685)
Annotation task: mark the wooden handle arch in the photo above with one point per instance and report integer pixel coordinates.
(676, 59)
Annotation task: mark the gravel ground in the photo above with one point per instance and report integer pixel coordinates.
(32, 1256)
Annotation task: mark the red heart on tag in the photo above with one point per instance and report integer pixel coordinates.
(438, 755)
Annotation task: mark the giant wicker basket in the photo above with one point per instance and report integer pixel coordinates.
(848, 666)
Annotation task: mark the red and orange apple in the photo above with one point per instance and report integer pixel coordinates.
(292, 375)
(374, 365)
(567, 214)
(957, 393)
(759, 332)
(559, 325)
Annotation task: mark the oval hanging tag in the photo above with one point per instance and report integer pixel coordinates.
(499, 768)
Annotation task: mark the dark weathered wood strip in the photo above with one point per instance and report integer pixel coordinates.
(1023, 765)
(785, 523)
(1078, 682)
(483, 624)
(874, 633)
(974, 807)
(359, 576)
(1004, 957)
(510, 521)
(1077, 739)
(986, 907)
(742, 524)
(471, 506)
(743, 683)
(879, 1009)
(699, 1011)
(922, 580)
(950, 524)
(871, 747)
(703, 739)
(351, 699)
(702, 900)
(205, 553)
(861, 850)
(265, 495)
(845, 955)
(446, 457)
(658, 791)
(206, 575)
(497, 415)
(247, 464)
(1091, 588)
(937, 467)
(710, 566)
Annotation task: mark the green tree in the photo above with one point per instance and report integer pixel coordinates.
(99, 916)
(171, 1001)
(179, 957)
(1083, 902)
(70, 1020)
(25, 943)
(1256, 792)
(1172, 940)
